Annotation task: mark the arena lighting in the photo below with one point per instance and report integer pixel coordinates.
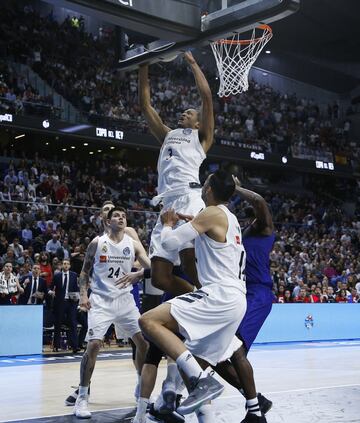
(284, 159)
(112, 148)
(91, 152)
(99, 151)
(267, 51)
(85, 143)
(46, 143)
(63, 149)
(19, 136)
(73, 147)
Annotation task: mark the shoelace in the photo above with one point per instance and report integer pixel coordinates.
(194, 382)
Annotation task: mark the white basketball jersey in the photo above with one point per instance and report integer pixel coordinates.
(111, 262)
(222, 262)
(179, 160)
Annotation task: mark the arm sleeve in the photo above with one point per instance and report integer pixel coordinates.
(173, 239)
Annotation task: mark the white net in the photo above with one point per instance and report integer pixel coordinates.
(234, 58)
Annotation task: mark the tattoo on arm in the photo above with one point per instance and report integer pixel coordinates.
(87, 265)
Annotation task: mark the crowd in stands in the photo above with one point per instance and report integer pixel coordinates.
(49, 211)
(17, 96)
(82, 68)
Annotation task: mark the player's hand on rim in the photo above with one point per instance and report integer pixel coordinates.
(169, 218)
(189, 58)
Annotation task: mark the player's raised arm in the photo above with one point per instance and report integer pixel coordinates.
(156, 125)
(85, 273)
(206, 130)
(264, 222)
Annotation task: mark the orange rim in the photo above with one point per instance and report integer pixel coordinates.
(247, 42)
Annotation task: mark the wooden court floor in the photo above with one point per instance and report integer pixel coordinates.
(312, 383)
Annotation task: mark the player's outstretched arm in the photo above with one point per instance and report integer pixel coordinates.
(206, 130)
(156, 125)
(263, 216)
(85, 274)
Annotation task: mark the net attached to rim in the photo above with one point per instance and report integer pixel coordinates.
(234, 58)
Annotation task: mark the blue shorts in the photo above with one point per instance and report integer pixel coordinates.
(259, 303)
(136, 295)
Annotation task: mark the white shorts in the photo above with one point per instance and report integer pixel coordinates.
(121, 311)
(208, 319)
(190, 203)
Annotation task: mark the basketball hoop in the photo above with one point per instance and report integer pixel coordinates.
(234, 58)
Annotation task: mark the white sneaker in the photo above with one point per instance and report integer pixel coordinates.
(81, 409)
(139, 419)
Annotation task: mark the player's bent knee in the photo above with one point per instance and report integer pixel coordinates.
(145, 323)
(239, 354)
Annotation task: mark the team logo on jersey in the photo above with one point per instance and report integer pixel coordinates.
(237, 239)
(104, 248)
(126, 251)
(91, 332)
(187, 131)
(103, 259)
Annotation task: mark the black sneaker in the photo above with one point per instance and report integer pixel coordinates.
(253, 418)
(156, 416)
(264, 404)
(71, 399)
(201, 391)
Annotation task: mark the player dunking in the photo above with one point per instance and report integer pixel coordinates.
(110, 256)
(182, 152)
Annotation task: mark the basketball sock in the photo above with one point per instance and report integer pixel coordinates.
(253, 406)
(205, 414)
(179, 383)
(83, 391)
(172, 372)
(142, 406)
(189, 365)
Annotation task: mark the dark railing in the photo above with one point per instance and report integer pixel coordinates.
(29, 108)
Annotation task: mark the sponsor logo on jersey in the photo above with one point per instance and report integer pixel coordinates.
(126, 251)
(103, 259)
(104, 248)
(187, 131)
(237, 239)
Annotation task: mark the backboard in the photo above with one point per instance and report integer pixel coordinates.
(176, 25)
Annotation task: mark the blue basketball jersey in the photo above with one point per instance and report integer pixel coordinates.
(257, 267)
